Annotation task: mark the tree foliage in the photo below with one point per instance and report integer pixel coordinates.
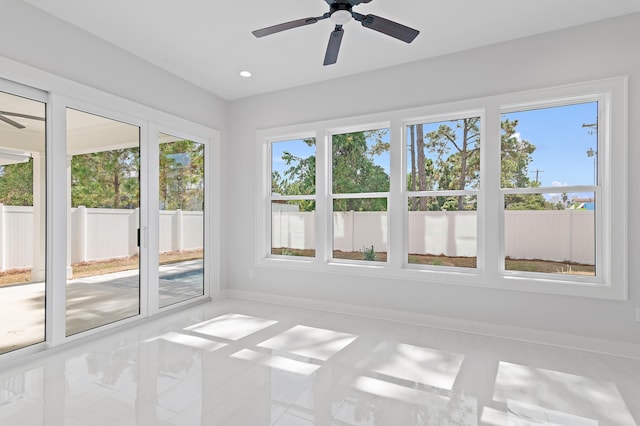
(107, 179)
(353, 171)
(516, 156)
(447, 158)
(444, 159)
(182, 175)
(16, 184)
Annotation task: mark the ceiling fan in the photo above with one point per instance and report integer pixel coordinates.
(340, 12)
(4, 114)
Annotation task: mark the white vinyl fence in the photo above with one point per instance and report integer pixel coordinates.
(557, 235)
(96, 234)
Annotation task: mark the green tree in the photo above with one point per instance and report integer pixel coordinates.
(354, 170)
(107, 179)
(298, 179)
(516, 155)
(182, 175)
(447, 158)
(16, 184)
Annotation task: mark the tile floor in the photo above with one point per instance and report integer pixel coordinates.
(244, 363)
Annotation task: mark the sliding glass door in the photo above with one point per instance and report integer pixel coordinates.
(22, 220)
(181, 219)
(103, 271)
(105, 227)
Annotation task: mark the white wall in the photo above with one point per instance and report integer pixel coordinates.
(43, 42)
(33, 37)
(590, 52)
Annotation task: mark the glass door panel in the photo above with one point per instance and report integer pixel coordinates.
(22, 222)
(103, 275)
(181, 220)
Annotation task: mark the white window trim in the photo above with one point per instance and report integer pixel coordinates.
(612, 191)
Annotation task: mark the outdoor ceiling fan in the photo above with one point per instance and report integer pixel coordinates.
(4, 114)
(340, 13)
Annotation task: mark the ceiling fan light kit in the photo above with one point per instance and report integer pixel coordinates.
(341, 13)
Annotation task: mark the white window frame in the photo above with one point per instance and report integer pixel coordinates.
(357, 195)
(406, 194)
(193, 132)
(266, 197)
(611, 239)
(610, 281)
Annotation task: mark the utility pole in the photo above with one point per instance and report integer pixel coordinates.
(538, 172)
(591, 153)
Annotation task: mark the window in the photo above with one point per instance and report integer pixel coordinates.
(522, 191)
(292, 197)
(443, 181)
(360, 187)
(549, 181)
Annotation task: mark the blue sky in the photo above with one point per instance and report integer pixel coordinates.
(561, 144)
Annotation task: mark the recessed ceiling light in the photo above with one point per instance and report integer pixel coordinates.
(245, 74)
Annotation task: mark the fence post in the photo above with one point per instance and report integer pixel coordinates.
(568, 219)
(177, 231)
(353, 229)
(81, 229)
(2, 238)
(38, 217)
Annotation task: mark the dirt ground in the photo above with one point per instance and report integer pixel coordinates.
(87, 269)
(528, 265)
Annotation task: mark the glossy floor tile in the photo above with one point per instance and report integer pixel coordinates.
(245, 363)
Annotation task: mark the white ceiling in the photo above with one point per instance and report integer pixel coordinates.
(209, 42)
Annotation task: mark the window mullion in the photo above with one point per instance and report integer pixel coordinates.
(395, 205)
(490, 225)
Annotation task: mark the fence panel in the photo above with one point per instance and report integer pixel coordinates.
(443, 233)
(558, 235)
(17, 238)
(294, 230)
(563, 235)
(111, 233)
(192, 230)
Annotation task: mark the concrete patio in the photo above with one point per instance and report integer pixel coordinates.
(91, 301)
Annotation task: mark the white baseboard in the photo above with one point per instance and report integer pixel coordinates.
(569, 341)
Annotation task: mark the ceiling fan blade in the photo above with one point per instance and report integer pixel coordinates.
(285, 26)
(390, 28)
(11, 122)
(17, 114)
(335, 39)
